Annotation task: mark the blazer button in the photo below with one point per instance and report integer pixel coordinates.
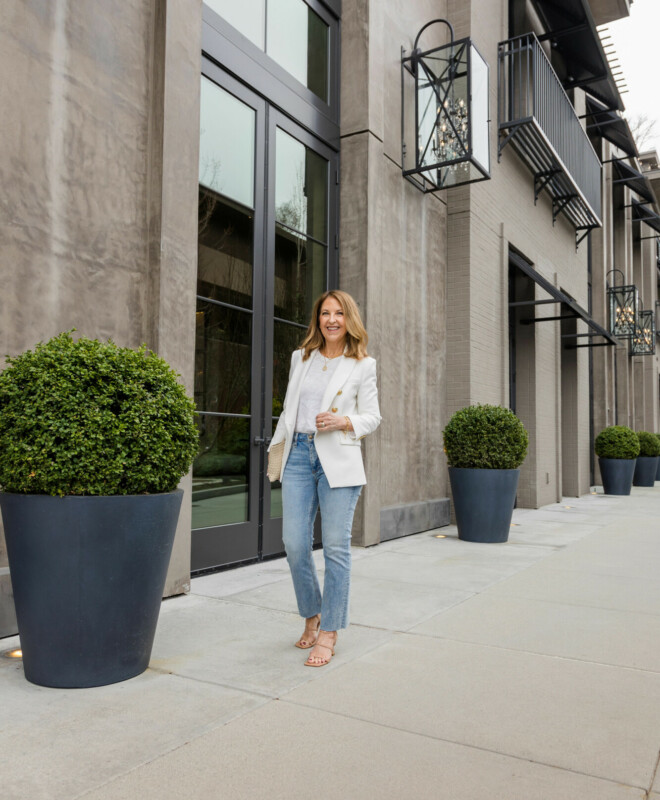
(334, 410)
(339, 392)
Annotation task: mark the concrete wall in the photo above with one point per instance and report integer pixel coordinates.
(99, 172)
(392, 259)
(484, 219)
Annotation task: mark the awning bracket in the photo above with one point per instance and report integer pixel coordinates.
(587, 229)
(559, 203)
(542, 179)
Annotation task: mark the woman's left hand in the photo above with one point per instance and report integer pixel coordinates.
(330, 422)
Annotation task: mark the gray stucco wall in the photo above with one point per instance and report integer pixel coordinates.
(99, 172)
(393, 260)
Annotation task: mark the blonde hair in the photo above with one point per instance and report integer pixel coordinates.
(356, 335)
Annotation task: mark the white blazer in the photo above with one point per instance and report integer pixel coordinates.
(351, 392)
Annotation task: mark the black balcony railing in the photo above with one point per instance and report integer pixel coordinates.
(536, 117)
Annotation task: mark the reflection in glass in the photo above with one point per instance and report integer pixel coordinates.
(220, 471)
(479, 110)
(222, 359)
(247, 16)
(286, 339)
(301, 187)
(224, 261)
(275, 489)
(297, 38)
(300, 275)
(226, 144)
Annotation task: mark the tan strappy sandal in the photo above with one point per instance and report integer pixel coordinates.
(310, 634)
(331, 639)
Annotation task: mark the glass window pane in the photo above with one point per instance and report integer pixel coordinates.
(479, 110)
(224, 260)
(301, 187)
(275, 490)
(297, 38)
(300, 275)
(222, 359)
(226, 144)
(220, 472)
(286, 339)
(247, 16)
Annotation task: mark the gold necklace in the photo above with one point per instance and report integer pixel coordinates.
(326, 359)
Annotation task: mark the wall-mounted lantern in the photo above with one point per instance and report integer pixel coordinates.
(624, 309)
(643, 342)
(444, 114)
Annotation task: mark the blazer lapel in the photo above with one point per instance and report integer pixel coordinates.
(338, 379)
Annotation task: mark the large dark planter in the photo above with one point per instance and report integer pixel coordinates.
(483, 502)
(645, 470)
(657, 472)
(88, 575)
(617, 474)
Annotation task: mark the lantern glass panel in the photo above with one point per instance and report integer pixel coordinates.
(449, 101)
(624, 310)
(643, 342)
(479, 111)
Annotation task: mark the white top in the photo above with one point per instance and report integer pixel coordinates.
(312, 391)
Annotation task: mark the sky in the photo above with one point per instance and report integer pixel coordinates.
(635, 41)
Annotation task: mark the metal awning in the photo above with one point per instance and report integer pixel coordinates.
(572, 309)
(606, 123)
(645, 214)
(633, 179)
(572, 30)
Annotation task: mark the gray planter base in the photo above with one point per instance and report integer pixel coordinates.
(617, 474)
(88, 576)
(483, 502)
(645, 471)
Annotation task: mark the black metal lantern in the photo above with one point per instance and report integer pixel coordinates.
(444, 114)
(624, 309)
(643, 342)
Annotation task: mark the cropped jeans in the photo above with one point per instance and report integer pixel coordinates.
(304, 489)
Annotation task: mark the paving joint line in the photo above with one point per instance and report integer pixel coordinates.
(578, 605)
(655, 772)
(461, 744)
(218, 684)
(535, 653)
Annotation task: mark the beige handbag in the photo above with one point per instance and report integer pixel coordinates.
(275, 456)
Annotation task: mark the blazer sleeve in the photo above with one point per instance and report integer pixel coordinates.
(367, 418)
(280, 430)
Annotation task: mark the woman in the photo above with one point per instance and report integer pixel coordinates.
(331, 404)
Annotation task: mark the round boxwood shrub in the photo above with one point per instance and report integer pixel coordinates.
(648, 444)
(485, 437)
(91, 418)
(617, 441)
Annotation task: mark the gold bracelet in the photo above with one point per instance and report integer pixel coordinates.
(348, 425)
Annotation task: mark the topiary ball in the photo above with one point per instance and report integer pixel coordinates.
(485, 437)
(91, 418)
(649, 445)
(617, 441)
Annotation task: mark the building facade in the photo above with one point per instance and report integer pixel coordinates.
(192, 175)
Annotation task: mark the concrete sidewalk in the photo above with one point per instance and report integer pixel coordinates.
(520, 671)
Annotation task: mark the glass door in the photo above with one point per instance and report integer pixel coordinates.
(229, 325)
(266, 206)
(302, 214)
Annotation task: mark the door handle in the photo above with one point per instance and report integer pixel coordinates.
(259, 440)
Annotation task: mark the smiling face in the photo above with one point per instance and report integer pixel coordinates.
(332, 323)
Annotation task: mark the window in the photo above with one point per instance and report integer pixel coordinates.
(289, 31)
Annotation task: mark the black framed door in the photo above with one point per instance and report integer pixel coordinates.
(267, 219)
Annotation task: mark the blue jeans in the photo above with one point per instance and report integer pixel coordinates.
(304, 489)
